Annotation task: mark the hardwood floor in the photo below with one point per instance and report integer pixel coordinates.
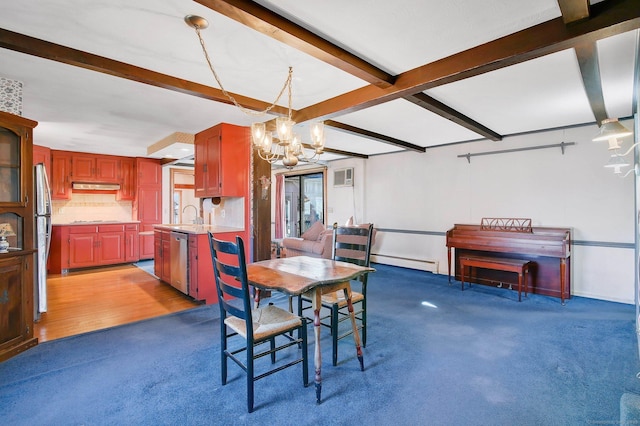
(105, 297)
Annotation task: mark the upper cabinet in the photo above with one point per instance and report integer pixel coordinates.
(60, 175)
(222, 158)
(127, 179)
(94, 168)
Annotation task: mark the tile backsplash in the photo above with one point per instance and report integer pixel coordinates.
(88, 207)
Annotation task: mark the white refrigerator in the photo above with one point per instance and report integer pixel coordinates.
(43, 237)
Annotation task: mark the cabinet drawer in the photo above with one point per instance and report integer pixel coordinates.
(83, 229)
(131, 227)
(111, 228)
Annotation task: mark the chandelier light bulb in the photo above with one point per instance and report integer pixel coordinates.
(284, 127)
(258, 134)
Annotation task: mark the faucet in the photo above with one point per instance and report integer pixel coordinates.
(198, 220)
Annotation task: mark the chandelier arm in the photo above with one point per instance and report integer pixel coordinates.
(287, 84)
(629, 150)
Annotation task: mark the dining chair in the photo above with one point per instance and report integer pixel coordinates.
(350, 244)
(255, 326)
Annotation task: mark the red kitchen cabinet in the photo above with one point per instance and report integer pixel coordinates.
(148, 202)
(42, 154)
(89, 245)
(94, 168)
(60, 175)
(149, 172)
(83, 247)
(111, 247)
(127, 179)
(222, 158)
(131, 243)
(162, 260)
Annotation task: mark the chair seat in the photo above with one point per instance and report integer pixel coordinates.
(267, 321)
(337, 297)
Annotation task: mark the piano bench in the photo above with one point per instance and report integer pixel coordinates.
(518, 266)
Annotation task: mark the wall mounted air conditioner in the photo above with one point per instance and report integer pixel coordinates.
(343, 177)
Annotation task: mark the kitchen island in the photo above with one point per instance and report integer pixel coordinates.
(183, 260)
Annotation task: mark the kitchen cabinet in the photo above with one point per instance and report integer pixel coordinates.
(94, 168)
(60, 175)
(222, 160)
(162, 258)
(127, 180)
(17, 210)
(95, 244)
(42, 154)
(131, 243)
(148, 202)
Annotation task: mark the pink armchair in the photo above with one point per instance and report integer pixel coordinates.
(315, 242)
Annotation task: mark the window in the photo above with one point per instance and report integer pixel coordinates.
(304, 202)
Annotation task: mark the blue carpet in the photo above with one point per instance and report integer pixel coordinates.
(435, 356)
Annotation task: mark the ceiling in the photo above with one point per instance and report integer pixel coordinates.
(117, 76)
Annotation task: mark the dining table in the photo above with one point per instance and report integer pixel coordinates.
(311, 277)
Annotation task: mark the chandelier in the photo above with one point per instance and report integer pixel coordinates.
(288, 145)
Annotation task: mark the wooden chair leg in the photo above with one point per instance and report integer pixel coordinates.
(250, 378)
(272, 344)
(334, 332)
(305, 359)
(363, 305)
(223, 355)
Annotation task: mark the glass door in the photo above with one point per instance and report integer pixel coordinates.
(304, 202)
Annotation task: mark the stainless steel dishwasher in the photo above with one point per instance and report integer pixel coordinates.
(179, 254)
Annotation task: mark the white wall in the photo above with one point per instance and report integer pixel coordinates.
(429, 192)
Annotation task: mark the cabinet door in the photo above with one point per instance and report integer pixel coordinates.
(132, 251)
(11, 300)
(111, 246)
(193, 266)
(146, 245)
(207, 162)
(149, 172)
(127, 180)
(107, 169)
(150, 205)
(166, 258)
(234, 161)
(83, 250)
(60, 173)
(83, 167)
(157, 258)
(42, 154)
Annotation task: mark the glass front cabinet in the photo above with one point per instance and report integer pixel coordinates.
(17, 244)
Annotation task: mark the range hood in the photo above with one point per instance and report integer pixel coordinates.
(96, 186)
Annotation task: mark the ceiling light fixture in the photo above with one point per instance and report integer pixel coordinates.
(611, 130)
(289, 146)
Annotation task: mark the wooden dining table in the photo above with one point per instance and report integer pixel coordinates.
(311, 277)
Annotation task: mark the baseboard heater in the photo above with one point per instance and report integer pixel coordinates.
(433, 263)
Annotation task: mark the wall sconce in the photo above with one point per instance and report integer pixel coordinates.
(5, 231)
(265, 182)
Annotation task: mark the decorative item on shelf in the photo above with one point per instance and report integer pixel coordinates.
(611, 130)
(6, 230)
(289, 147)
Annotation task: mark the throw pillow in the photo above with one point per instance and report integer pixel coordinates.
(314, 231)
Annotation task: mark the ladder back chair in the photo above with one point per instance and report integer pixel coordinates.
(254, 326)
(350, 244)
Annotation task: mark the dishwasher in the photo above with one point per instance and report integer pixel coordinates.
(179, 249)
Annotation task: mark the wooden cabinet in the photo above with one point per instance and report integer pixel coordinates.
(148, 202)
(84, 246)
(162, 258)
(222, 159)
(201, 280)
(42, 154)
(127, 180)
(60, 175)
(16, 211)
(131, 243)
(94, 168)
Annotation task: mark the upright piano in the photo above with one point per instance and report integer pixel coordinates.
(548, 248)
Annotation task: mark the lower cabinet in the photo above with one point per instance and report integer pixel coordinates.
(84, 246)
(162, 256)
(16, 310)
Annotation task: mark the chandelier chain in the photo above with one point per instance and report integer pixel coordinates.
(287, 85)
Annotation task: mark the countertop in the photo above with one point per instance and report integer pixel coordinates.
(95, 222)
(197, 229)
